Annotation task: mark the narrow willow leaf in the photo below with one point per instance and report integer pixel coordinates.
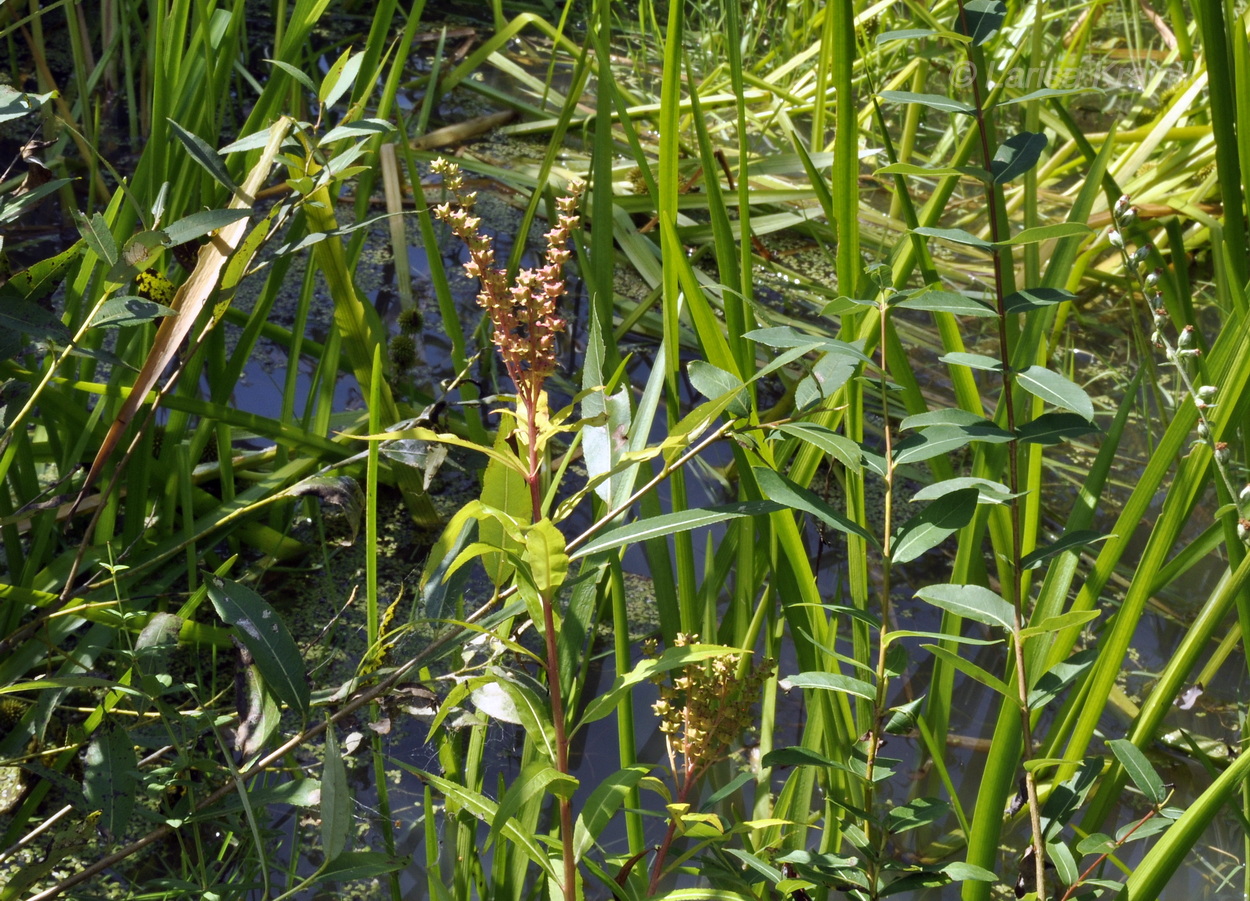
(948, 416)
(357, 129)
(602, 805)
(971, 601)
(1051, 428)
(972, 361)
(1069, 541)
(915, 813)
(933, 525)
(111, 777)
(933, 101)
(127, 310)
(921, 170)
(336, 801)
(1055, 389)
(95, 232)
(1041, 94)
(670, 523)
(946, 439)
(821, 681)
(298, 74)
(839, 447)
(988, 492)
(1040, 233)
(955, 236)
(780, 489)
(789, 337)
(1017, 155)
(262, 632)
(828, 375)
(796, 756)
(204, 155)
(340, 77)
(982, 18)
(962, 871)
(968, 668)
(715, 383)
(935, 301)
(1052, 624)
(1034, 299)
(199, 224)
(1139, 769)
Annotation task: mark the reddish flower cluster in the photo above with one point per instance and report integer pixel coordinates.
(523, 314)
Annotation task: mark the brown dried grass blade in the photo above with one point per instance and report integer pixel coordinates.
(189, 301)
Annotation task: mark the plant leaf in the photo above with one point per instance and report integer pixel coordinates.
(971, 601)
(933, 525)
(1139, 769)
(1055, 389)
(602, 805)
(336, 801)
(1017, 155)
(204, 155)
(668, 523)
(111, 777)
(262, 632)
(935, 301)
(822, 681)
(955, 236)
(933, 101)
(1051, 428)
(1034, 299)
(1040, 233)
(1068, 541)
(782, 490)
(837, 446)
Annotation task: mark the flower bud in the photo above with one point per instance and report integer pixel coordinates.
(1122, 205)
(1204, 431)
(1207, 393)
(1161, 318)
(1114, 237)
(1244, 497)
(1188, 338)
(1127, 218)
(1243, 531)
(1222, 452)
(1141, 254)
(1153, 278)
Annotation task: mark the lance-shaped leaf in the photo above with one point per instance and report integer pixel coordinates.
(935, 301)
(1051, 428)
(971, 602)
(972, 361)
(933, 101)
(981, 19)
(261, 631)
(822, 681)
(839, 447)
(1139, 770)
(933, 525)
(336, 801)
(946, 439)
(955, 236)
(111, 776)
(1055, 389)
(780, 489)
(1068, 541)
(1040, 233)
(669, 523)
(1017, 155)
(1034, 299)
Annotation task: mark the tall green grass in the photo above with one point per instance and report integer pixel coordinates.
(713, 130)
